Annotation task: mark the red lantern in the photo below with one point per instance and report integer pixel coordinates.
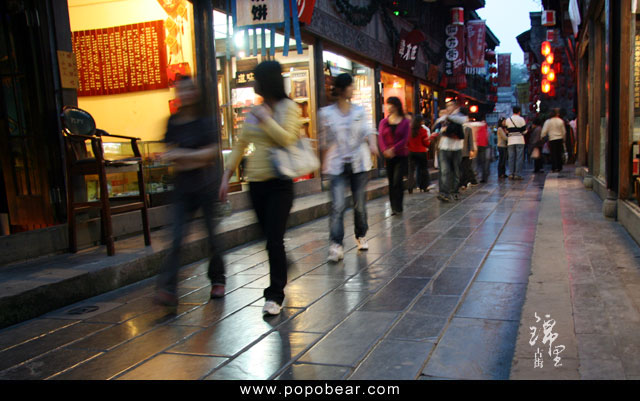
(546, 86)
(545, 48)
(550, 58)
(545, 68)
(551, 76)
(457, 16)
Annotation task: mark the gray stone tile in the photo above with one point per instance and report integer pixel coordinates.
(308, 289)
(501, 301)
(112, 363)
(458, 232)
(418, 327)
(474, 349)
(393, 360)
(273, 352)
(222, 339)
(370, 279)
(452, 281)
(218, 309)
(436, 305)
(514, 271)
(471, 260)
(47, 365)
(174, 367)
(46, 343)
(306, 371)
(30, 330)
(444, 246)
(601, 369)
(397, 295)
(350, 341)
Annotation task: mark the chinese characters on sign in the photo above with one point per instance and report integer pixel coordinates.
(548, 338)
(504, 70)
(455, 56)
(257, 12)
(476, 35)
(407, 51)
(121, 59)
(68, 70)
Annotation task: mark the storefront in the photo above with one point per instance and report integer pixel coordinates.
(397, 86)
(235, 84)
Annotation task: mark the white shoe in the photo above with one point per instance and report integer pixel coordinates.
(362, 244)
(271, 308)
(336, 253)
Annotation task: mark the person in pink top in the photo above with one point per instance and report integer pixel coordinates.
(418, 147)
(392, 141)
(482, 142)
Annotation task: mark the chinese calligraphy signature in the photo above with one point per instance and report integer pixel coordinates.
(548, 338)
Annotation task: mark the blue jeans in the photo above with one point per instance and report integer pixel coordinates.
(516, 159)
(338, 186)
(449, 163)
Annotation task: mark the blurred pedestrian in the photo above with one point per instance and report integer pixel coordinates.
(502, 148)
(450, 151)
(484, 156)
(392, 141)
(418, 149)
(276, 123)
(467, 174)
(191, 143)
(554, 128)
(347, 141)
(516, 127)
(536, 143)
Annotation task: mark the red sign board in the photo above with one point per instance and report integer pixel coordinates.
(121, 59)
(455, 62)
(408, 47)
(504, 69)
(476, 44)
(305, 10)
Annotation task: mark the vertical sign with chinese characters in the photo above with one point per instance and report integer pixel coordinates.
(408, 47)
(121, 59)
(476, 44)
(636, 68)
(259, 12)
(68, 70)
(455, 56)
(504, 69)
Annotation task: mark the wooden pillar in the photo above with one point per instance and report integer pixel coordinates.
(321, 95)
(625, 67)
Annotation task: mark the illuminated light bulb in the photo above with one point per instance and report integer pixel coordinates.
(545, 68)
(473, 109)
(545, 49)
(550, 58)
(551, 76)
(546, 86)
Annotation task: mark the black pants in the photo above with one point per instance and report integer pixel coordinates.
(502, 161)
(396, 170)
(466, 172)
(272, 201)
(184, 206)
(538, 164)
(418, 161)
(556, 154)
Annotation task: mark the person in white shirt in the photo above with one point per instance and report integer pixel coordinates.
(516, 126)
(555, 129)
(450, 152)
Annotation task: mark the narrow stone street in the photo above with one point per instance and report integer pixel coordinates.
(438, 295)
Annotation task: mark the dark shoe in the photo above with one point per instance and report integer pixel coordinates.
(443, 198)
(165, 298)
(217, 291)
(455, 197)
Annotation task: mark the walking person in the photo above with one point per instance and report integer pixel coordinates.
(190, 138)
(275, 123)
(392, 141)
(536, 143)
(468, 175)
(554, 128)
(484, 156)
(501, 133)
(450, 151)
(516, 126)
(418, 149)
(346, 141)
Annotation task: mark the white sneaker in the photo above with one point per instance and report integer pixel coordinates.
(362, 244)
(271, 308)
(336, 253)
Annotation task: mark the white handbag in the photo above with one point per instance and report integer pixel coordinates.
(296, 160)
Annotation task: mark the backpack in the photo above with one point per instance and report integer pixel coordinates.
(454, 130)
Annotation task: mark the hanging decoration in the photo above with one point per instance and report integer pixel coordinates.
(261, 16)
(357, 15)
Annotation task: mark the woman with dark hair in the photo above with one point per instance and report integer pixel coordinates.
(275, 123)
(501, 133)
(190, 139)
(392, 141)
(347, 140)
(418, 148)
(536, 142)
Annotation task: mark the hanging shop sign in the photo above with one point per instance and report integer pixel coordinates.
(551, 35)
(305, 10)
(476, 45)
(455, 57)
(407, 51)
(68, 70)
(504, 69)
(548, 18)
(262, 15)
(121, 59)
(457, 16)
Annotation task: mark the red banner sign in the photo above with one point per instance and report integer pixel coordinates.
(476, 45)
(121, 59)
(408, 47)
(305, 10)
(455, 56)
(504, 69)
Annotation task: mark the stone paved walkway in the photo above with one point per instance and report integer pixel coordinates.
(438, 295)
